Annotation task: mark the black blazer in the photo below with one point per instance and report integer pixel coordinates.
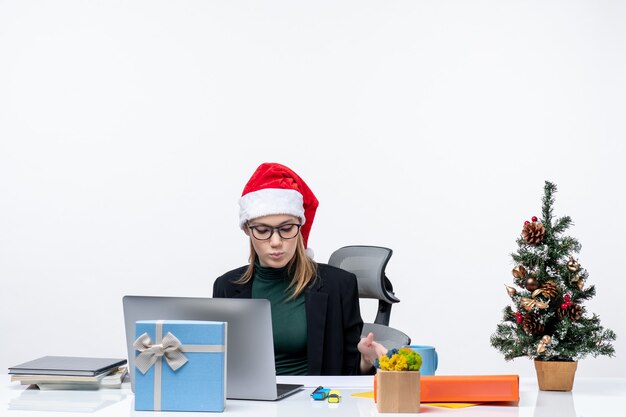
(334, 321)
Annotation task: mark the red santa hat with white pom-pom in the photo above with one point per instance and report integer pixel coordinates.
(276, 189)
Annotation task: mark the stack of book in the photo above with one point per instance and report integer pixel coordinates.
(67, 372)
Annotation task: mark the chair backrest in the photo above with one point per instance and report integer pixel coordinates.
(368, 264)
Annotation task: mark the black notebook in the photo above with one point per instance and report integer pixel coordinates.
(66, 365)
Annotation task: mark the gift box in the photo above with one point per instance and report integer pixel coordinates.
(180, 365)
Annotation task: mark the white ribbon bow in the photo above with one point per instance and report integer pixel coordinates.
(170, 348)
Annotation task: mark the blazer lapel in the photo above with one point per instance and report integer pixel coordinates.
(243, 291)
(315, 302)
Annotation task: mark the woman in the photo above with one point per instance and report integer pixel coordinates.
(316, 319)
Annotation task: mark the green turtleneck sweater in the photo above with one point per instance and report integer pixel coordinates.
(288, 319)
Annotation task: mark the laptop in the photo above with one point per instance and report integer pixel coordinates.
(250, 367)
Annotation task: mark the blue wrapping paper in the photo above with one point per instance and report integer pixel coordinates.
(197, 385)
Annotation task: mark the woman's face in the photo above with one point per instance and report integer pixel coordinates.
(275, 252)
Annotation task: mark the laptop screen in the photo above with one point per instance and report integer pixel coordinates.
(250, 369)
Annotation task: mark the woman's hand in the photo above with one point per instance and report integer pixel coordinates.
(370, 351)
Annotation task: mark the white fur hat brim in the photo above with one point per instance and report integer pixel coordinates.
(268, 201)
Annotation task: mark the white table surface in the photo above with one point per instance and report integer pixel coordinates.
(601, 397)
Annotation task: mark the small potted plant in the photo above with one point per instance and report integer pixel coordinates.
(397, 381)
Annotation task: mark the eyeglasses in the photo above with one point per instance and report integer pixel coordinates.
(265, 232)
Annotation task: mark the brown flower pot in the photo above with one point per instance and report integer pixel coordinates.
(397, 391)
(555, 375)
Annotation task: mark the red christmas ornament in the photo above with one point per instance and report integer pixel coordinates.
(534, 218)
(564, 306)
(526, 222)
(567, 298)
(518, 317)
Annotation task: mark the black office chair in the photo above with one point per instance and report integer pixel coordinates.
(368, 264)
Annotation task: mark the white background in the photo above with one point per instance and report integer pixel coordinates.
(129, 128)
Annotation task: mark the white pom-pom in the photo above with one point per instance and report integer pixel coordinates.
(309, 252)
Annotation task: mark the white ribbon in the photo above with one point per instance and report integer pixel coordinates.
(150, 353)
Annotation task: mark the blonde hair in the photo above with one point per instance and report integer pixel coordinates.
(301, 268)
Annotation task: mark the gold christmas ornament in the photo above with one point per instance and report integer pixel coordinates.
(573, 265)
(533, 233)
(511, 291)
(543, 343)
(529, 303)
(519, 272)
(576, 279)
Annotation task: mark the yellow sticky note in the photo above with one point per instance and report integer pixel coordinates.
(369, 394)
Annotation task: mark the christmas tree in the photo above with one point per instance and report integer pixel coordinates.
(549, 321)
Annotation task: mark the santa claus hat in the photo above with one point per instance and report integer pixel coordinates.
(276, 189)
